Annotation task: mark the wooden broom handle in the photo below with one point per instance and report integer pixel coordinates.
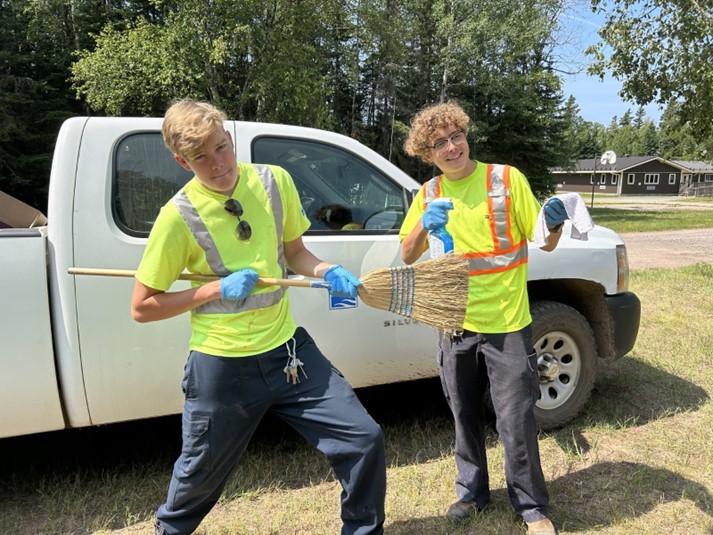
(262, 281)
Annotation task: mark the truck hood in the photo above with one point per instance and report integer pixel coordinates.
(592, 259)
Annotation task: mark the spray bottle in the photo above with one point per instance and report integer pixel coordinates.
(440, 242)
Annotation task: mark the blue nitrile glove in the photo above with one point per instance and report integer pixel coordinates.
(238, 285)
(436, 215)
(555, 214)
(344, 284)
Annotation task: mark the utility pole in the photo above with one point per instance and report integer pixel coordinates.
(609, 157)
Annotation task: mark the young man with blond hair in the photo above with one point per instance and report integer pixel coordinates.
(491, 216)
(247, 357)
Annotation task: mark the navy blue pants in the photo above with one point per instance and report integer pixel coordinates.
(225, 399)
(508, 361)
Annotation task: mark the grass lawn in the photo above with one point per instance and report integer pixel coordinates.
(637, 460)
(623, 221)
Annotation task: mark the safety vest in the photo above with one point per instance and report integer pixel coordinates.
(215, 262)
(505, 254)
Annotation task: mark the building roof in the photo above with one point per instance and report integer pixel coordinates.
(694, 165)
(627, 162)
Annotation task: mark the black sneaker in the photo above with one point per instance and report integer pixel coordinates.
(462, 512)
(159, 529)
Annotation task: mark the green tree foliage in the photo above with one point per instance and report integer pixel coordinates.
(649, 139)
(661, 51)
(494, 59)
(128, 73)
(359, 67)
(40, 39)
(676, 140)
(32, 105)
(255, 60)
(363, 67)
(623, 137)
(582, 139)
(630, 135)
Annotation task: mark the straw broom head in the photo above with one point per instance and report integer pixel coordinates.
(434, 292)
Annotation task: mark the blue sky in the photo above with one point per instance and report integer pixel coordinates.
(597, 100)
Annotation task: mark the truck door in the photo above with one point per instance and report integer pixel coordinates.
(356, 210)
(124, 176)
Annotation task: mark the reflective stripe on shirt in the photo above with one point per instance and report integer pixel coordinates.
(505, 254)
(200, 232)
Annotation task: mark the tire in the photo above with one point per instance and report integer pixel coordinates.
(566, 359)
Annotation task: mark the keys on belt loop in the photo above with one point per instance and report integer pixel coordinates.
(457, 336)
(294, 365)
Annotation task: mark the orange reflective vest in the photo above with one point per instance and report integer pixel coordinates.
(505, 254)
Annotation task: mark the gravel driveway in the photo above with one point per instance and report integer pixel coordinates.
(668, 249)
(665, 249)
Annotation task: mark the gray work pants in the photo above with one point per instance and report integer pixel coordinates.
(225, 399)
(508, 362)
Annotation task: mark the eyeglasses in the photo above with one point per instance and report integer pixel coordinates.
(456, 138)
(243, 229)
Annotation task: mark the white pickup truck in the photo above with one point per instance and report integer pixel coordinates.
(71, 356)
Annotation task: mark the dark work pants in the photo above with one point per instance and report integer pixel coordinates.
(225, 399)
(508, 361)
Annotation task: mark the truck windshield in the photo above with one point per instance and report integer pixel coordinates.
(339, 191)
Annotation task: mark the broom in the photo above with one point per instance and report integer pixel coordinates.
(433, 292)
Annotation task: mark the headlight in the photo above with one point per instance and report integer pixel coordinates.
(622, 264)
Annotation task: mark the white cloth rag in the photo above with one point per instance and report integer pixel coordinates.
(576, 211)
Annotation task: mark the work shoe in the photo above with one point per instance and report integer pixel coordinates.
(541, 527)
(462, 512)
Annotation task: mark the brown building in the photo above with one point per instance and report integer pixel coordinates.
(697, 177)
(632, 175)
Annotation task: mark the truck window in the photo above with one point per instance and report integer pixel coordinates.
(145, 177)
(340, 192)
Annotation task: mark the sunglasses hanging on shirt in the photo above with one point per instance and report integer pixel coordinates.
(243, 230)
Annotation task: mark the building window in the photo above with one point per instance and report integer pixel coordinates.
(630, 178)
(603, 179)
(651, 178)
(613, 180)
(672, 178)
(686, 179)
(709, 178)
(591, 179)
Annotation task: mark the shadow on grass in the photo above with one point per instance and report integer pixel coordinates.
(128, 465)
(579, 502)
(628, 394)
(158, 440)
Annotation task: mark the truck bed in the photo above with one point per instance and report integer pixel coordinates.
(25, 331)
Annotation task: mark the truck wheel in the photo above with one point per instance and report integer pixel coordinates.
(566, 362)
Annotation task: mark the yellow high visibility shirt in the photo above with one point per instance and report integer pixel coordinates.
(171, 248)
(497, 302)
